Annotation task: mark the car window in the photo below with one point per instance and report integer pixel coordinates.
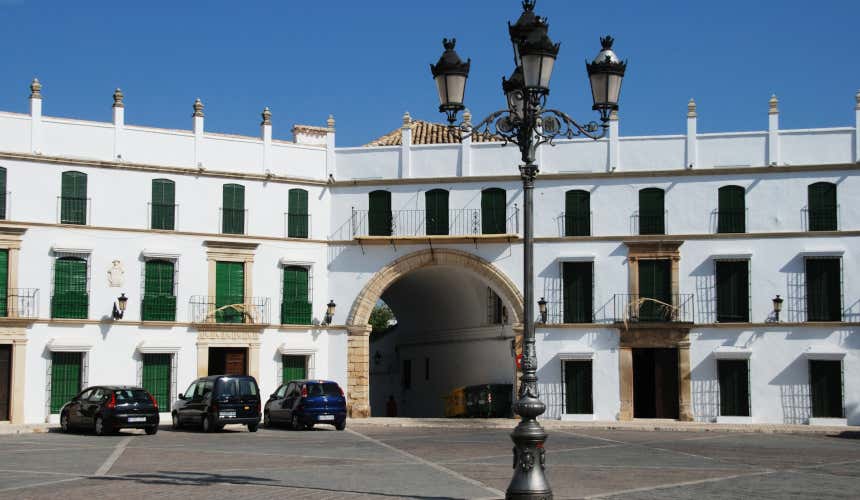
(131, 395)
(325, 389)
(96, 396)
(238, 387)
(85, 395)
(292, 391)
(190, 392)
(207, 388)
(281, 391)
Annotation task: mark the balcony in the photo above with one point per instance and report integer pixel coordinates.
(20, 303)
(649, 223)
(822, 219)
(234, 220)
(163, 216)
(158, 308)
(464, 222)
(73, 210)
(578, 224)
(730, 220)
(247, 310)
(297, 225)
(634, 308)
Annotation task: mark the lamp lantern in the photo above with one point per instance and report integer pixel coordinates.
(777, 307)
(542, 309)
(119, 306)
(329, 312)
(606, 73)
(450, 73)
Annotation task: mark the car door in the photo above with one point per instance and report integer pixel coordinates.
(74, 408)
(90, 406)
(183, 405)
(276, 408)
(290, 400)
(200, 401)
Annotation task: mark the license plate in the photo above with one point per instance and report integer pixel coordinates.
(228, 414)
(137, 419)
(326, 417)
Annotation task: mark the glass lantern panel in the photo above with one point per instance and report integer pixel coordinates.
(532, 70)
(598, 88)
(614, 90)
(546, 71)
(456, 88)
(441, 88)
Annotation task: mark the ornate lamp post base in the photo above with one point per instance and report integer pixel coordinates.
(529, 481)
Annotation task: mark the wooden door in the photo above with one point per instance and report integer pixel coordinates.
(234, 363)
(655, 290)
(666, 383)
(5, 380)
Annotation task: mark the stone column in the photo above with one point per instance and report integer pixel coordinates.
(685, 406)
(330, 157)
(19, 360)
(406, 147)
(254, 360)
(36, 117)
(118, 123)
(202, 359)
(692, 146)
(198, 133)
(625, 381)
(266, 135)
(358, 371)
(614, 145)
(773, 132)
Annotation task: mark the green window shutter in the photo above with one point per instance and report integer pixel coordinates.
(156, 379)
(655, 282)
(578, 285)
(577, 387)
(733, 376)
(4, 283)
(436, 204)
(731, 214)
(652, 212)
(2, 193)
(65, 378)
(71, 296)
(159, 299)
(823, 290)
(73, 198)
(577, 213)
(732, 291)
(822, 206)
(296, 307)
(163, 204)
(233, 209)
(297, 223)
(229, 290)
(825, 380)
(379, 213)
(493, 207)
(294, 368)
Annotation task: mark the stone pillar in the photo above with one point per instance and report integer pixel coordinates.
(406, 147)
(466, 147)
(625, 382)
(266, 135)
(198, 133)
(633, 273)
(676, 281)
(773, 132)
(36, 117)
(118, 123)
(614, 146)
(202, 359)
(330, 156)
(19, 364)
(358, 371)
(254, 360)
(692, 145)
(685, 406)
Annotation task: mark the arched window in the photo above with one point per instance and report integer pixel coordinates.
(71, 290)
(73, 198)
(379, 213)
(159, 294)
(577, 213)
(652, 211)
(436, 214)
(731, 214)
(822, 206)
(233, 209)
(493, 210)
(297, 215)
(163, 204)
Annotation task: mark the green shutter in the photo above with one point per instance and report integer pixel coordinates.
(159, 299)
(65, 378)
(156, 378)
(71, 296)
(493, 208)
(163, 204)
(296, 307)
(4, 283)
(731, 214)
(229, 290)
(233, 209)
(577, 280)
(732, 291)
(577, 387)
(652, 212)
(733, 376)
(825, 380)
(655, 282)
(823, 290)
(379, 213)
(577, 213)
(2, 193)
(297, 215)
(73, 198)
(436, 204)
(294, 368)
(822, 206)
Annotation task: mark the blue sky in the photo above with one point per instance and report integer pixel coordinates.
(367, 61)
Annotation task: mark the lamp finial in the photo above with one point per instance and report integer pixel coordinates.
(691, 109)
(198, 108)
(773, 105)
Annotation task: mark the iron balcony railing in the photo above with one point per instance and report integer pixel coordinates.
(575, 224)
(460, 222)
(162, 215)
(20, 303)
(731, 220)
(296, 312)
(73, 210)
(158, 308)
(207, 309)
(822, 219)
(70, 305)
(234, 220)
(297, 225)
(641, 308)
(650, 223)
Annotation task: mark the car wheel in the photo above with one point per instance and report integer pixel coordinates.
(151, 430)
(64, 422)
(295, 424)
(207, 424)
(99, 427)
(253, 427)
(267, 420)
(177, 424)
(340, 425)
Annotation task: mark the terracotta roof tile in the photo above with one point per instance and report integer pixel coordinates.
(428, 133)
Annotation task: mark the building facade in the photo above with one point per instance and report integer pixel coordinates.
(659, 259)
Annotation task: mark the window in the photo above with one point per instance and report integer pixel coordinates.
(229, 290)
(655, 290)
(578, 398)
(4, 283)
(159, 294)
(71, 288)
(233, 209)
(731, 214)
(3, 193)
(436, 204)
(407, 374)
(379, 213)
(822, 206)
(733, 375)
(294, 368)
(296, 304)
(823, 289)
(732, 278)
(825, 380)
(577, 281)
(577, 213)
(297, 215)
(493, 207)
(66, 368)
(156, 378)
(652, 211)
(189, 393)
(73, 198)
(163, 204)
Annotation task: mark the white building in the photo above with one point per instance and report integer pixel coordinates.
(658, 257)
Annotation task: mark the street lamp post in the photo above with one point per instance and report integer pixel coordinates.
(528, 123)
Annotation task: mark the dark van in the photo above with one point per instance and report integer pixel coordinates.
(215, 401)
(301, 404)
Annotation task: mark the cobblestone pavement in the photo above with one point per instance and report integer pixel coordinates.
(371, 461)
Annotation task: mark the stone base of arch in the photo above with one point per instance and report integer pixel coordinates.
(358, 372)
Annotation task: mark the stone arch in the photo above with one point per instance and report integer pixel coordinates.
(358, 350)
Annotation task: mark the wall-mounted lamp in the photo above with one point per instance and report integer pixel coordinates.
(777, 307)
(329, 312)
(119, 306)
(377, 358)
(542, 309)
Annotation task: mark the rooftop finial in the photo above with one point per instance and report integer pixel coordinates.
(691, 109)
(773, 105)
(407, 119)
(35, 89)
(467, 117)
(117, 98)
(267, 116)
(606, 42)
(330, 122)
(198, 108)
(857, 98)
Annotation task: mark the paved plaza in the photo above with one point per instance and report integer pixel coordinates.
(372, 461)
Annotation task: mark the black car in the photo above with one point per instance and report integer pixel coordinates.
(215, 401)
(301, 404)
(107, 409)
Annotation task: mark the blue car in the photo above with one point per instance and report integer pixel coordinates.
(301, 404)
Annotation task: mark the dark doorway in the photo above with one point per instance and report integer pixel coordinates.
(825, 379)
(655, 383)
(228, 361)
(5, 380)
